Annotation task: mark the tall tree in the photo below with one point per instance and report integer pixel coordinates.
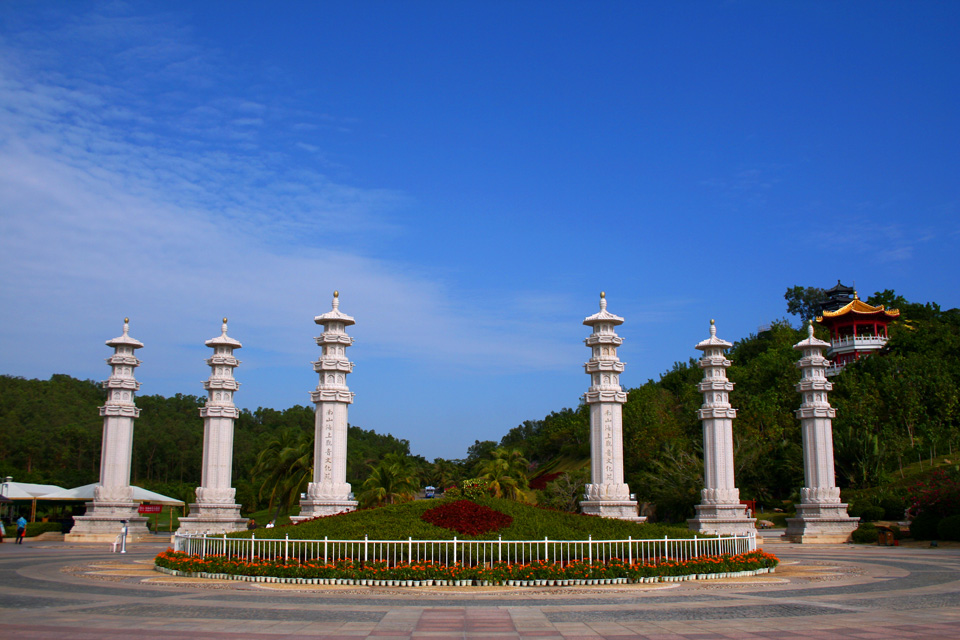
(505, 471)
(392, 480)
(285, 466)
(804, 301)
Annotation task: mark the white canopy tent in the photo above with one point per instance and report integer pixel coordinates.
(26, 491)
(86, 493)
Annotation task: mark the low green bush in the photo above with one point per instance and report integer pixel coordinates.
(893, 507)
(949, 528)
(871, 514)
(36, 528)
(866, 533)
(924, 526)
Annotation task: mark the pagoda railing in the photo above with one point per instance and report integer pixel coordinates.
(857, 341)
(464, 552)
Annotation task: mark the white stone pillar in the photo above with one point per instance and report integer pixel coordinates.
(329, 493)
(216, 510)
(720, 511)
(607, 495)
(821, 517)
(113, 497)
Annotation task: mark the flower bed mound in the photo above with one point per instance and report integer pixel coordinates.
(400, 521)
(467, 518)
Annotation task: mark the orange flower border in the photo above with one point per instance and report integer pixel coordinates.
(428, 573)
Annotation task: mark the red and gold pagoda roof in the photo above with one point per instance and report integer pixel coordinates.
(860, 308)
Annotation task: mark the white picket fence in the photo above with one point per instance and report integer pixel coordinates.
(465, 552)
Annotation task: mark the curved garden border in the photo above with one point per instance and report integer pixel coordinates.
(427, 573)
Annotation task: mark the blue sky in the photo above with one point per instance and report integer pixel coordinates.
(470, 176)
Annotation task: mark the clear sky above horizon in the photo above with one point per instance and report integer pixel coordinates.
(470, 176)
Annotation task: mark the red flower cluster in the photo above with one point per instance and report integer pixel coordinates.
(939, 495)
(467, 518)
(540, 482)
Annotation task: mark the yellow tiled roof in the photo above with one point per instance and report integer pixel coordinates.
(859, 306)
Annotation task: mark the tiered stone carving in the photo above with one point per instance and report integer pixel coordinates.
(329, 493)
(821, 517)
(607, 494)
(216, 510)
(720, 511)
(113, 497)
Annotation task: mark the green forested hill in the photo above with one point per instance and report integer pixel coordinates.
(50, 432)
(891, 409)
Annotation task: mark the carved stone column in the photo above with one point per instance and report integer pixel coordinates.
(329, 493)
(607, 495)
(821, 517)
(113, 497)
(216, 510)
(720, 511)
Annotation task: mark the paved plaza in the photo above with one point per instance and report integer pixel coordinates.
(58, 590)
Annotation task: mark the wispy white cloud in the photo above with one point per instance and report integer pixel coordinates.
(878, 242)
(746, 186)
(175, 210)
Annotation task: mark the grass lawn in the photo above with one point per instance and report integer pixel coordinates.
(778, 519)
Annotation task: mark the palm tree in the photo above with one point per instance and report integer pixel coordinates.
(286, 465)
(393, 480)
(505, 471)
(445, 473)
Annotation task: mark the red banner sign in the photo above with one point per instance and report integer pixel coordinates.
(150, 508)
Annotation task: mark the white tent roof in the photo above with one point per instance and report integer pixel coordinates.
(27, 490)
(86, 493)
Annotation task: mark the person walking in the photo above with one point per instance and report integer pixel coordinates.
(21, 529)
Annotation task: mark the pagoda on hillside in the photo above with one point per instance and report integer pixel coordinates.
(857, 329)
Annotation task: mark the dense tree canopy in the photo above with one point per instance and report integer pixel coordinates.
(50, 432)
(891, 408)
(804, 301)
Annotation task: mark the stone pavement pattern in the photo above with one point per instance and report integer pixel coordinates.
(54, 590)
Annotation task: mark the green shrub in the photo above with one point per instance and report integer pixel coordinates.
(924, 526)
(871, 514)
(949, 528)
(855, 509)
(866, 533)
(36, 528)
(474, 488)
(893, 507)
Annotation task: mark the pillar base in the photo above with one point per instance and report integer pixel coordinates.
(722, 520)
(213, 518)
(103, 521)
(310, 509)
(618, 509)
(820, 523)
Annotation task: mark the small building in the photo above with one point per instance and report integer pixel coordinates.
(857, 329)
(836, 297)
